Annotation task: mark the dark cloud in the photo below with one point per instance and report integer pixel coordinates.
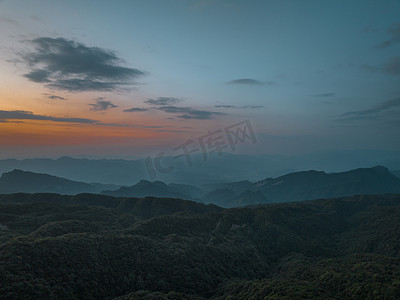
(72, 66)
(37, 75)
(394, 31)
(190, 113)
(6, 121)
(200, 115)
(174, 109)
(371, 112)
(28, 115)
(102, 104)
(249, 81)
(163, 101)
(136, 109)
(393, 66)
(324, 95)
(54, 97)
(239, 107)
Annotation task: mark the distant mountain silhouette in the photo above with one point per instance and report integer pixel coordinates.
(29, 182)
(18, 181)
(396, 173)
(310, 185)
(146, 188)
(298, 186)
(226, 168)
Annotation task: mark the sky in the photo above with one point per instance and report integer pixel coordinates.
(129, 78)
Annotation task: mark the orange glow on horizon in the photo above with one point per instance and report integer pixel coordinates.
(33, 132)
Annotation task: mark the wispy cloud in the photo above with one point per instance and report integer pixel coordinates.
(15, 116)
(368, 68)
(371, 112)
(394, 31)
(392, 67)
(239, 107)
(324, 95)
(370, 29)
(102, 104)
(249, 81)
(190, 113)
(136, 109)
(4, 19)
(28, 115)
(68, 65)
(54, 97)
(164, 104)
(163, 101)
(36, 18)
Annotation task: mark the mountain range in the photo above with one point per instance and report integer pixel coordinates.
(226, 168)
(317, 184)
(297, 186)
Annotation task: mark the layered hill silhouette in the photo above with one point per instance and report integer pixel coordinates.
(307, 185)
(147, 188)
(18, 181)
(298, 186)
(226, 168)
(23, 181)
(96, 246)
(316, 184)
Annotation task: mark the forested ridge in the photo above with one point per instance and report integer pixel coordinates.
(101, 247)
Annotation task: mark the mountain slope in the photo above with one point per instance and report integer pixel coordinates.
(29, 182)
(315, 184)
(146, 188)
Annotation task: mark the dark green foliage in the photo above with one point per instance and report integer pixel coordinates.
(51, 247)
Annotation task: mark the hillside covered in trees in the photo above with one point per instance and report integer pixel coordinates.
(102, 247)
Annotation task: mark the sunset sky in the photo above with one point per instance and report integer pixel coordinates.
(128, 78)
